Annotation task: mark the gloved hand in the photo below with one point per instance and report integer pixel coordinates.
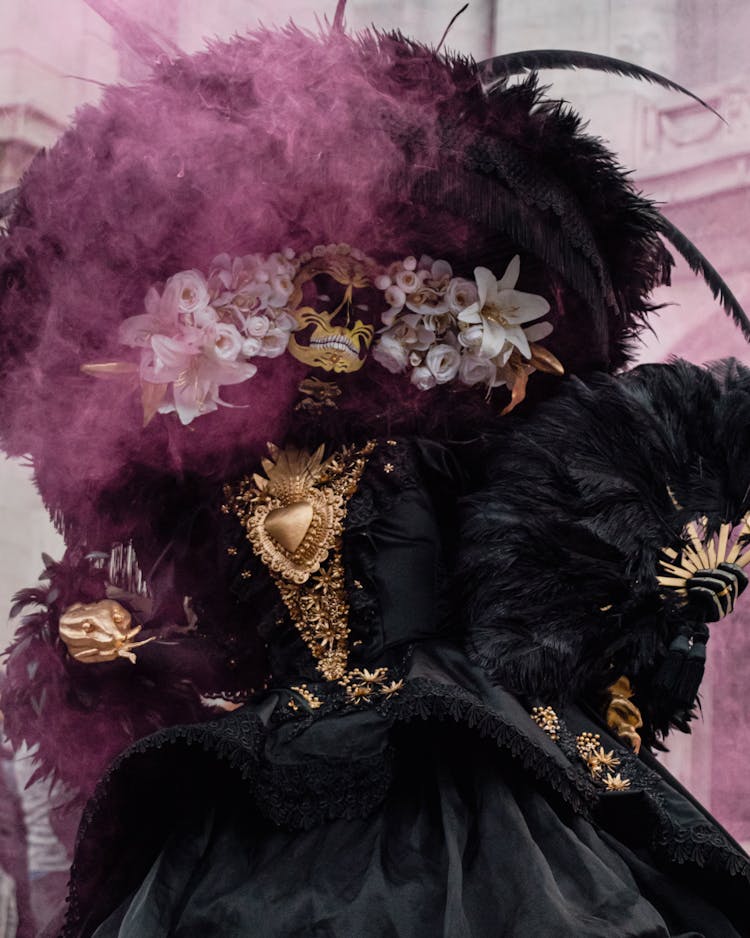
(713, 593)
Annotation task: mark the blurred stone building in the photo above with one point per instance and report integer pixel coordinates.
(54, 54)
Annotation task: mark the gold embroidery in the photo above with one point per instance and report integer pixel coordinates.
(294, 519)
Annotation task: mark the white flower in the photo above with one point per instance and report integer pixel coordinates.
(275, 342)
(476, 370)
(256, 326)
(443, 362)
(284, 321)
(395, 297)
(187, 292)
(471, 337)
(460, 294)
(408, 280)
(223, 342)
(390, 353)
(196, 378)
(423, 378)
(440, 270)
(281, 289)
(251, 347)
(539, 331)
(502, 310)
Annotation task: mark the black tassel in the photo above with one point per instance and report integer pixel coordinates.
(692, 671)
(668, 678)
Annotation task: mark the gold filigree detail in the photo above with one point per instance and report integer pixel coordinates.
(294, 518)
(547, 720)
(97, 632)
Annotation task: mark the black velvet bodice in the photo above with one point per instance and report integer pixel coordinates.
(397, 547)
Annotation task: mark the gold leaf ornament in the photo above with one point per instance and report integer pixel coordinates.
(99, 632)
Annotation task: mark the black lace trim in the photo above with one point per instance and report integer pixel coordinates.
(701, 844)
(705, 845)
(305, 795)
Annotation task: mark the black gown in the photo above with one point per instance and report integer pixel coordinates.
(432, 804)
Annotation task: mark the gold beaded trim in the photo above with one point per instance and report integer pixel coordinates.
(294, 518)
(547, 720)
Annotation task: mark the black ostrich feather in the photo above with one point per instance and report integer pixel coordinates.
(700, 265)
(499, 68)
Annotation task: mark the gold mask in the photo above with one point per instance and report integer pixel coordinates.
(341, 347)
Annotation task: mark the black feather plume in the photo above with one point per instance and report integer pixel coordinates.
(501, 67)
(700, 265)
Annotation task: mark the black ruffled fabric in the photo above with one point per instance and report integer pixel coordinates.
(310, 778)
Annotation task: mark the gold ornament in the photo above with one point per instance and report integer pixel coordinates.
(97, 632)
(623, 717)
(294, 519)
(547, 720)
(340, 347)
(616, 782)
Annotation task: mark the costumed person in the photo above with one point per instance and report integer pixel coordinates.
(384, 578)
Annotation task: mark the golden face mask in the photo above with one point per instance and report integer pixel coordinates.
(337, 342)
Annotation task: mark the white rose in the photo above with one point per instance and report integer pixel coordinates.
(189, 292)
(423, 378)
(408, 281)
(443, 361)
(257, 326)
(251, 347)
(224, 342)
(390, 353)
(395, 297)
(475, 370)
(460, 294)
(275, 342)
(471, 337)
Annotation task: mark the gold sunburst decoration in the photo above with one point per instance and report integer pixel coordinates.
(704, 552)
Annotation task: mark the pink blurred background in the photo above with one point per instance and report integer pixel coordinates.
(54, 55)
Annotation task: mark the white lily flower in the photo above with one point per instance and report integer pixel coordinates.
(502, 310)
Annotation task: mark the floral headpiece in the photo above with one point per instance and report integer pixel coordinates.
(201, 332)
